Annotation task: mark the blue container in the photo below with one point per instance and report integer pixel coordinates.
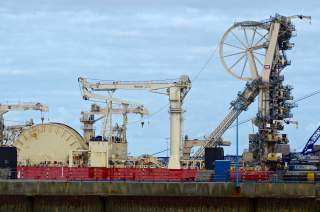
(222, 170)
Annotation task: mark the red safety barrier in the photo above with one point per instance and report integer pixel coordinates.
(95, 173)
(251, 175)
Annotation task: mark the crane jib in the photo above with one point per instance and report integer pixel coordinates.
(308, 148)
(241, 103)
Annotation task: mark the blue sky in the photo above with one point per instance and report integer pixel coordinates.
(46, 45)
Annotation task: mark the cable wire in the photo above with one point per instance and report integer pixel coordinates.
(307, 96)
(298, 100)
(157, 153)
(151, 115)
(196, 76)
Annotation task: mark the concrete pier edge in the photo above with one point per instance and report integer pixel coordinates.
(186, 189)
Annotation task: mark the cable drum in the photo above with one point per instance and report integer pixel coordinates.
(48, 143)
(243, 48)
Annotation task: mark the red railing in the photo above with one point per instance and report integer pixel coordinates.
(245, 175)
(127, 174)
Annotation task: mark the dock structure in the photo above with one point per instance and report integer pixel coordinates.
(106, 196)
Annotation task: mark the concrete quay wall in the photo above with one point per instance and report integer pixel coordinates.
(156, 196)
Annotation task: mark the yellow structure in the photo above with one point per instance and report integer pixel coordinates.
(48, 144)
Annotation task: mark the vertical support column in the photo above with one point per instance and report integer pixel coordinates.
(264, 93)
(1, 128)
(237, 153)
(175, 127)
(108, 155)
(273, 38)
(264, 96)
(71, 158)
(88, 129)
(107, 126)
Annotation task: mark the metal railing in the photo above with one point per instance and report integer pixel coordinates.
(157, 175)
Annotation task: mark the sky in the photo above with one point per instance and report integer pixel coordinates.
(46, 45)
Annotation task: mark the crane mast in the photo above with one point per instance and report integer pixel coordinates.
(274, 98)
(251, 50)
(176, 90)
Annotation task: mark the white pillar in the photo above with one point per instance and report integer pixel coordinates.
(175, 127)
(1, 128)
(70, 158)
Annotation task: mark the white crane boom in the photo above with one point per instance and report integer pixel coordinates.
(88, 118)
(127, 107)
(87, 95)
(176, 90)
(152, 86)
(97, 110)
(4, 108)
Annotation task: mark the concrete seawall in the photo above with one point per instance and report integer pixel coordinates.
(160, 196)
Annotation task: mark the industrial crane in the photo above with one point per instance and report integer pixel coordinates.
(12, 132)
(308, 153)
(176, 90)
(106, 113)
(88, 119)
(256, 51)
(115, 150)
(309, 147)
(4, 108)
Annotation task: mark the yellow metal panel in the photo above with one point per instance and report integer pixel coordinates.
(48, 143)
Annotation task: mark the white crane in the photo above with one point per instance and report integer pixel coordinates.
(243, 47)
(176, 90)
(106, 113)
(252, 51)
(13, 131)
(4, 108)
(88, 118)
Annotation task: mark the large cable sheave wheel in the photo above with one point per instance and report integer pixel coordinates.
(243, 49)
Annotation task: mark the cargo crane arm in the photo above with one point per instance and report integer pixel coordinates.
(87, 94)
(124, 110)
(107, 112)
(308, 148)
(97, 110)
(88, 119)
(239, 105)
(176, 90)
(183, 83)
(5, 108)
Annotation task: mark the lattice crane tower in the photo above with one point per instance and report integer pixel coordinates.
(252, 50)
